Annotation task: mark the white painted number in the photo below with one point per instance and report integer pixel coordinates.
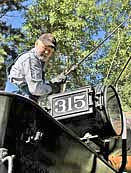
(78, 102)
(70, 103)
(60, 105)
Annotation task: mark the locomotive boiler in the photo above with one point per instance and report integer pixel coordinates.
(76, 134)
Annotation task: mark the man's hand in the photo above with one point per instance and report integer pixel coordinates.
(56, 87)
(61, 78)
(56, 83)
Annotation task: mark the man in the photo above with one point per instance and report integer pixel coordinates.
(26, 74)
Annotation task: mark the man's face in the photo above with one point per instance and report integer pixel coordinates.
(43, 52)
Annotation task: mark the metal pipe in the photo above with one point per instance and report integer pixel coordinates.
(124, 150)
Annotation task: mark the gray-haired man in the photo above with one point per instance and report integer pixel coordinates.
(26, 75)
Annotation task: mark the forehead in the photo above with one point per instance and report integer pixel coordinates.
(45, 45)
(41, 43)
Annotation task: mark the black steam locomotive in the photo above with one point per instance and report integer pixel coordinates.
(75, 135)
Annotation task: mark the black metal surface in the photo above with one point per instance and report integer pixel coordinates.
(87, 110)
(56, 150)
(108, 105)
(72, 104)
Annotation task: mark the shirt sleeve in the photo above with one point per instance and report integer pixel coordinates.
(33, 76)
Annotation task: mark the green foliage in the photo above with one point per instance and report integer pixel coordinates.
(67, 20)
(112, 63)
(79, 25)
(10, 38)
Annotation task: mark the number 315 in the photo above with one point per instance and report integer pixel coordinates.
(69, 104)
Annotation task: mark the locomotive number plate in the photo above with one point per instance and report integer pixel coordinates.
(71, 104)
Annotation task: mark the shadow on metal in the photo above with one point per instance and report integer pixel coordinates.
(40, 143)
